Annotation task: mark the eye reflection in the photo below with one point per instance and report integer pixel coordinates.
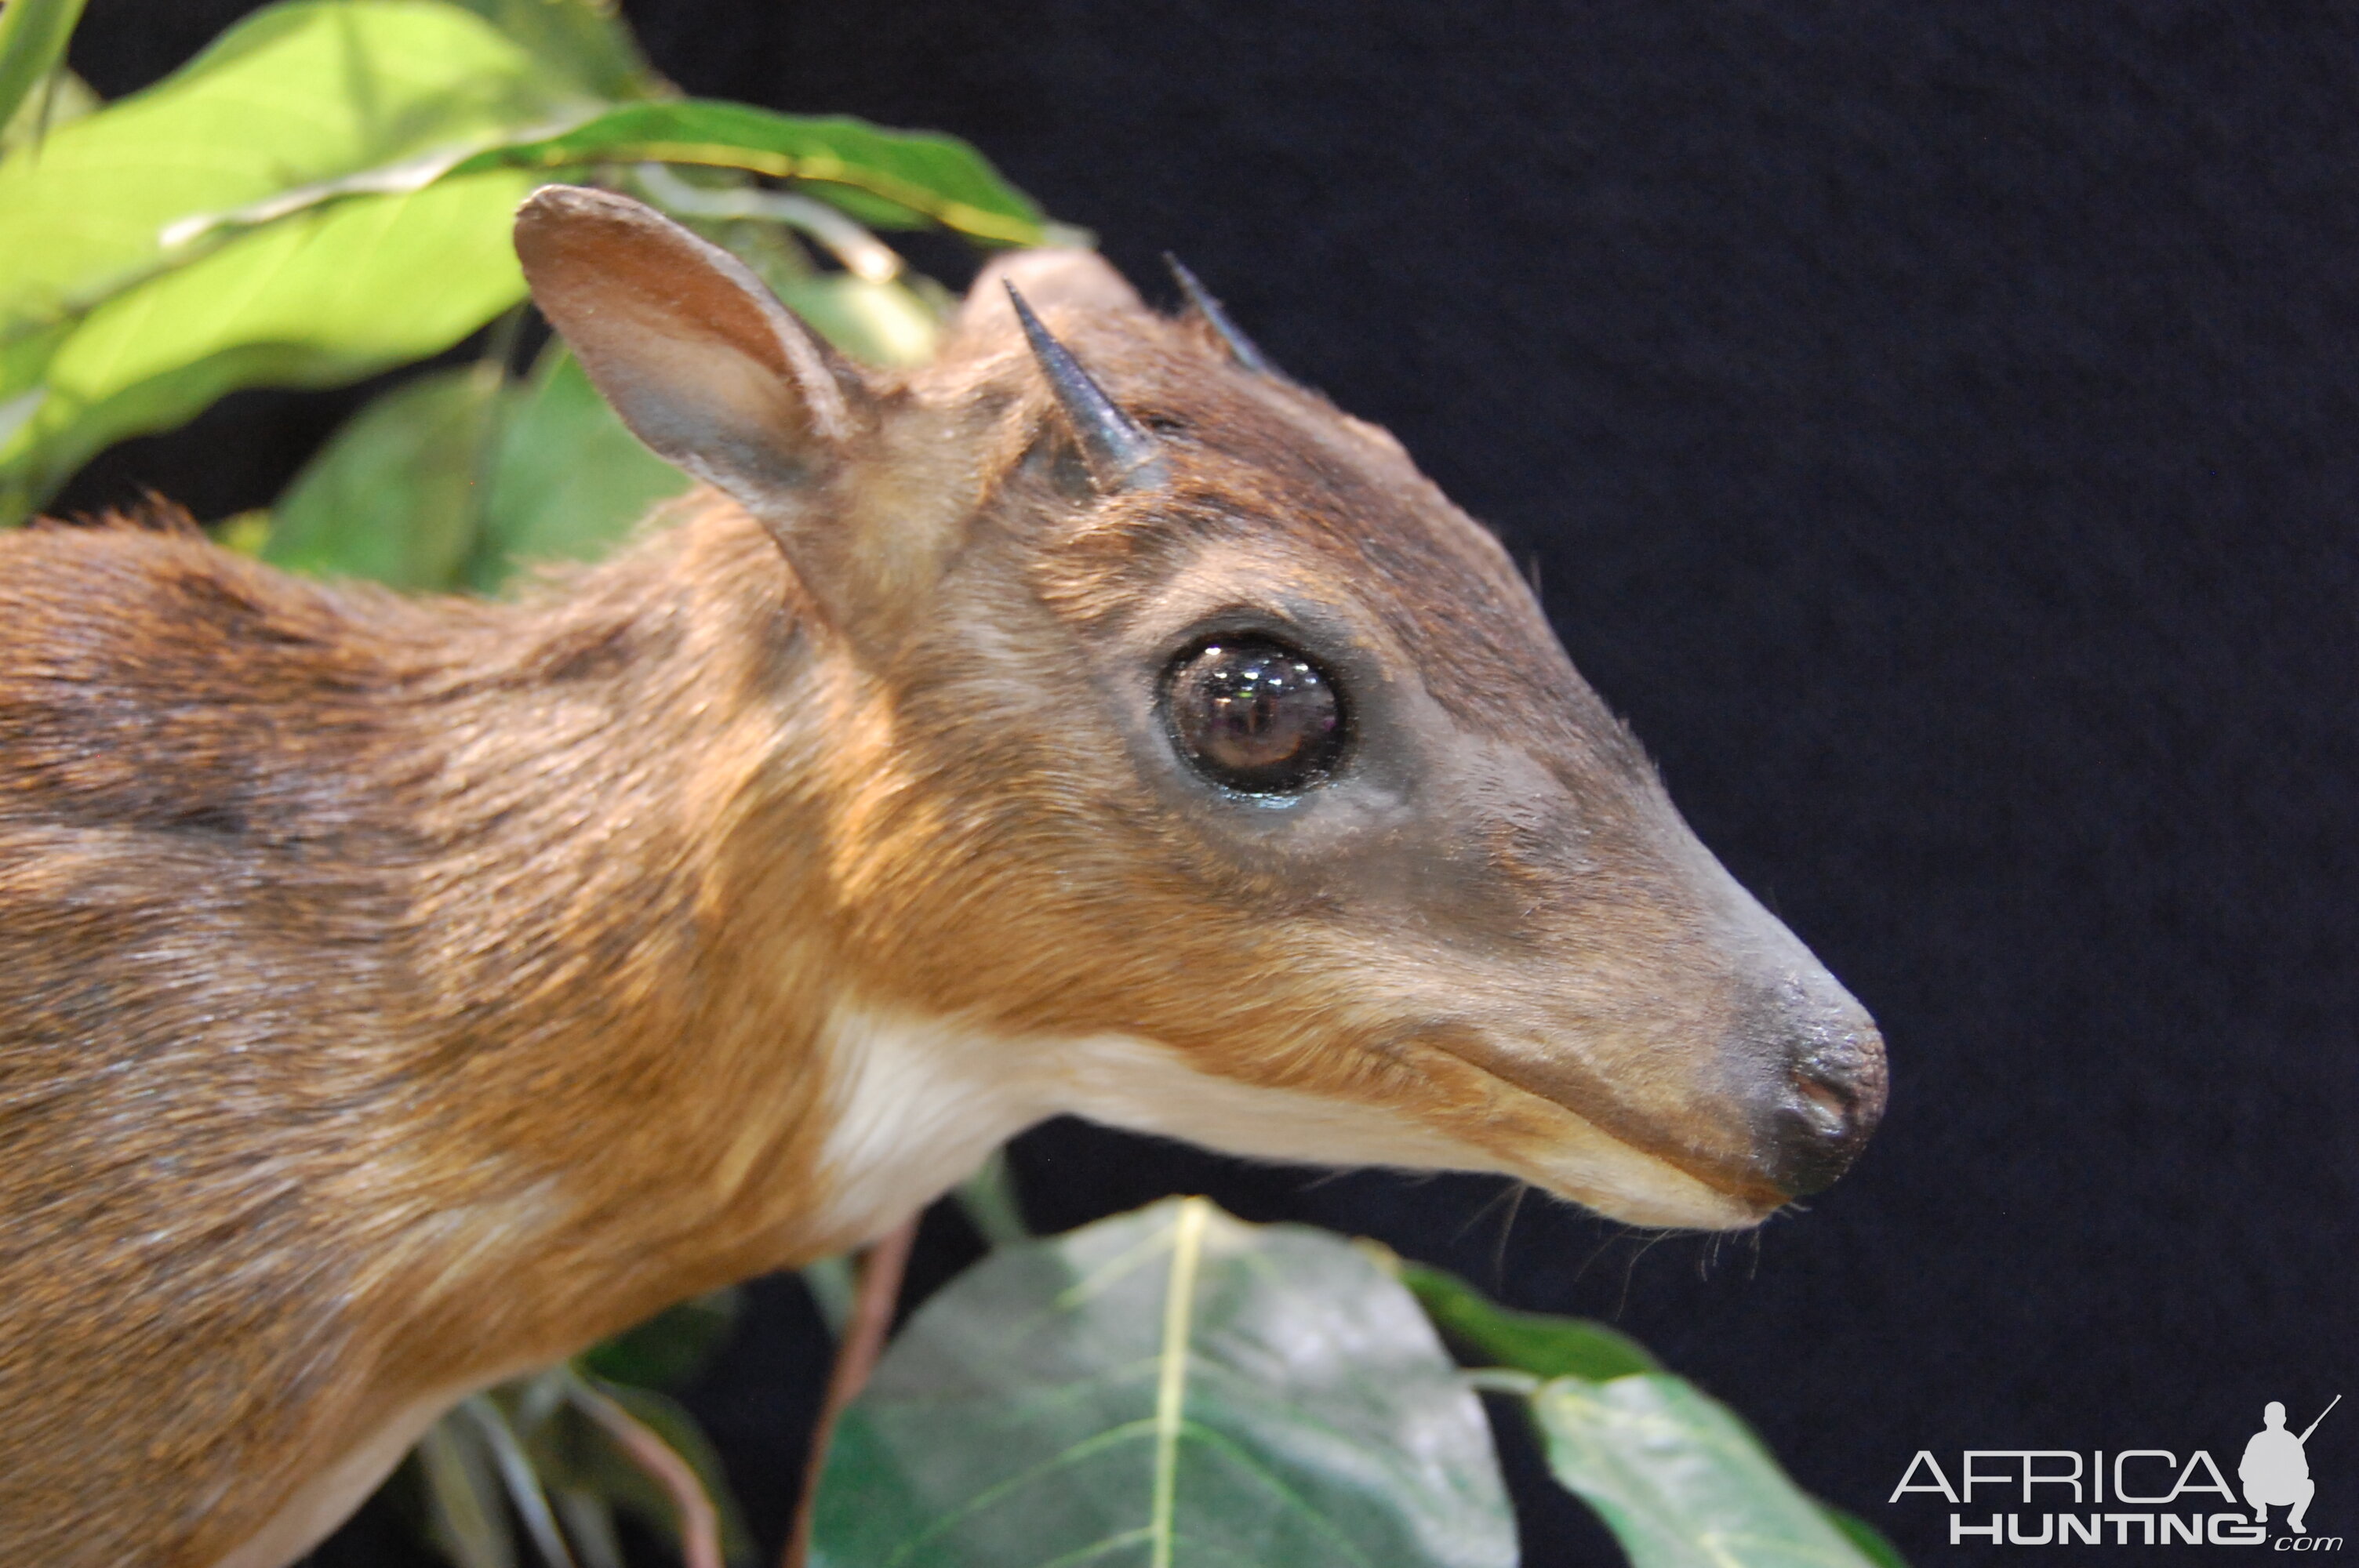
(1255, 715)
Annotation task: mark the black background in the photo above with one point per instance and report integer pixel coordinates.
(1935, 428)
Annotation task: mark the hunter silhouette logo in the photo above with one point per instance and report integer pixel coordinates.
(2132, 1496)
(2275, 1471)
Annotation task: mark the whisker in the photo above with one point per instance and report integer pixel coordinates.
(1630, 1272)
(1485, 1208)
(1612, 1234)
(1499, 1253)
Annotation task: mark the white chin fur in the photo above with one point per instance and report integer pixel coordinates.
(919, 1102)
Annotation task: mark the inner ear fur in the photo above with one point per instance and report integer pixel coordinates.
(701, 360)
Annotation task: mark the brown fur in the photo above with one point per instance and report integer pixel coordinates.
(396, 993)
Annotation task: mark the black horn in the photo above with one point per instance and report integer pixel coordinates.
(1241, 348)
(1119, 455)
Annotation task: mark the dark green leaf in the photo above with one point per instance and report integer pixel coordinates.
(832, 1290)
(1532, 1342)
(992, 1204)
(570, 481)
(671, 1347)
(395, 496)
(1681, 1481)
(1172, 1388)
(33, 35)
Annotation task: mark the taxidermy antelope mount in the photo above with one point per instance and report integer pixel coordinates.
(398, 994)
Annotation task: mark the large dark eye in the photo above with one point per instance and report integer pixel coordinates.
(1255, 715)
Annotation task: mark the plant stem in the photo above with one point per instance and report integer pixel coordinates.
(699, 1524)
(881, 1268)
(524, 1484)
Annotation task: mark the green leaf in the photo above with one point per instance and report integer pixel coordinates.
(33, 35)
(585, 41)
(879, 323)
(325, 299)
(899, 180)
(671, 1347)
(1681, 1481)
(1872, 1543)
(394, 494)
(888, 178)
(526, 1494)
(1167, 1388)
(1532, 1342)
(105, 331)
(464, 1517)
(60, 100)
(832, 1289)
(992, 1204)
(570, 481)
(452, 479)
(292, 96)
(589, 1525)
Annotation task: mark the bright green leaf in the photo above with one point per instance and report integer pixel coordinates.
(584, 40)
(570, 482)
(244, 532)
(394, 494)
(325, 299)
(1171, 1389)
(879, 323)
(1872, 1543)
(1681, 1481)
(60, 100)
(292, 96)
(33, 35)
(889, 178)
(1544, 1346)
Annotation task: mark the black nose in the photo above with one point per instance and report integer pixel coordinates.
(1833, 1093)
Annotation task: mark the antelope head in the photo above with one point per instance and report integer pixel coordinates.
(1191, 763)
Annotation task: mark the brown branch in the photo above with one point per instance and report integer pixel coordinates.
(881, 1268)
(700, 1525)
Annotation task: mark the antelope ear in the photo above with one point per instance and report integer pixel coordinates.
(699, 358)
